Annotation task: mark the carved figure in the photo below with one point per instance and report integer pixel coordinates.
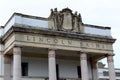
(65, 20)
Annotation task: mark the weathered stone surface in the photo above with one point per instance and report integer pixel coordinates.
(65, 20)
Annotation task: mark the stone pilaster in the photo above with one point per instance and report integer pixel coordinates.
(7, 67)
(16, 63)
(111, 67)
(52, 64)
(84, 66)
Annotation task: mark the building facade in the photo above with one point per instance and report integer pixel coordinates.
(60, 47)
(103, 72)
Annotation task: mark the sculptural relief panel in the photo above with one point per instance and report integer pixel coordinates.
(65, 20)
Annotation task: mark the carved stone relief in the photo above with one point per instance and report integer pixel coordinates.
(67, 42)
(65, 20)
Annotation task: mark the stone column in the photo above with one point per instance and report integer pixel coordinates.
(94, 70)
(111, 67)
(7, 67)
(52, 64)
(1, 61)
(1, 66)
(16, 63)
(84, 66)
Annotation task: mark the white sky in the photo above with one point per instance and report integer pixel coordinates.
(96, 12)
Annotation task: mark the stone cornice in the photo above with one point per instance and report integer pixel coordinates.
(44, 31)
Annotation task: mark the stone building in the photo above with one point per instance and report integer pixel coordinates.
(60, 47)
(103, 73)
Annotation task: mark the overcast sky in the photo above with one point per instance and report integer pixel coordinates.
(96, 12)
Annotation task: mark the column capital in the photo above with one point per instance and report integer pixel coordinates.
(82, 52)
(83, 56)
(52, 49)
(17, 50)
(110, 58)
(51, 53)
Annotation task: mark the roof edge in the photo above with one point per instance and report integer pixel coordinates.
(96, 26)
(25, 15)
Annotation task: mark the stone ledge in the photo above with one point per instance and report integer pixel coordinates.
(58, 33)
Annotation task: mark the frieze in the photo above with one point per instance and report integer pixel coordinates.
(59, 41)
(48, 40)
